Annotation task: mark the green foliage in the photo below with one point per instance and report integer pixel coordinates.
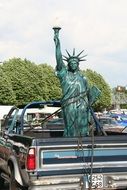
(25, 80)
(7, 95)
(52, 89)
(96, 79)
(22, 81)
(31, 82)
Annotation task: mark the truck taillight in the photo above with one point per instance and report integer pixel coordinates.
(31, 159)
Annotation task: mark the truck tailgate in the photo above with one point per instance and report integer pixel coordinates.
(76, 161)
(76, 156)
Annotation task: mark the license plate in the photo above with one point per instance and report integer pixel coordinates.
(96, 182)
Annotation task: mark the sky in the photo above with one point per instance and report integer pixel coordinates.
(99, 27)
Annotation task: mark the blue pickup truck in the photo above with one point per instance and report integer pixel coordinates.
(34, 155)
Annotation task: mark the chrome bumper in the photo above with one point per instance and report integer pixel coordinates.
(111, 181)
(57, 183)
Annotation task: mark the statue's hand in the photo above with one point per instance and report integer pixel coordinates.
(56, 40)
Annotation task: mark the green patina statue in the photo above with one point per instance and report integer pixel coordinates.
(76, 92)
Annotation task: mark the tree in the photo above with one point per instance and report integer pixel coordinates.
(25, 80)
(32, 82)
(7, 95)
(96, 79)
(52, 90)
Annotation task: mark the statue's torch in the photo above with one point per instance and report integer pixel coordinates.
(56, 30)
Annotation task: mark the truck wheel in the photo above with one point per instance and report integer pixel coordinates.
(1, 182)
(13, 185)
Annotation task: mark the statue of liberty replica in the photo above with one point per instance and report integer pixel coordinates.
(76, 97)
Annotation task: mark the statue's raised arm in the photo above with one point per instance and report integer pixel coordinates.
(59, 59)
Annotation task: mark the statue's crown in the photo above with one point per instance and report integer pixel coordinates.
(73, 56)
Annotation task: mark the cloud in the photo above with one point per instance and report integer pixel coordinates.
(99, 27)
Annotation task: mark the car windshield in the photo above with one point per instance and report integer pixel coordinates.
(107, 121)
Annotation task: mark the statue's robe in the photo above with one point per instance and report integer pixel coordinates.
(74, 102)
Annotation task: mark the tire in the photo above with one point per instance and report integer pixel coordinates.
(1, 182)
(13, 185)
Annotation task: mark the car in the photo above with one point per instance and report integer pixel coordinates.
(121, 118)
(111, 126)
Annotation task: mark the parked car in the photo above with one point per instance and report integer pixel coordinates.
(121, 118)
(110, 125)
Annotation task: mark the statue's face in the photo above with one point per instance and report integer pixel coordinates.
(73, 65)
